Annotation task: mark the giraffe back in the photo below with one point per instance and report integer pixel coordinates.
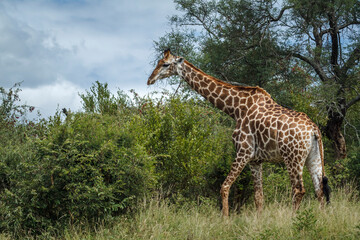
(271, 130)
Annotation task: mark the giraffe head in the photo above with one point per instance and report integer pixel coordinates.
(166, 67)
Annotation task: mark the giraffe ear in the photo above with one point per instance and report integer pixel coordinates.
(180, 60)
(167, 53)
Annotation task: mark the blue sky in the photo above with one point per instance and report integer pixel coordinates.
(59, 48)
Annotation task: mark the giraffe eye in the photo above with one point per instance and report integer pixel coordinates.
(166, 65)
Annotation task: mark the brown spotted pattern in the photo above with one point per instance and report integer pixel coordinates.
(265, 131)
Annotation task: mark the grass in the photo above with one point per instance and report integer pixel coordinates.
(159, 220)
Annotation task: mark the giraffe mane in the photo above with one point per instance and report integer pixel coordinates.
(236, 87)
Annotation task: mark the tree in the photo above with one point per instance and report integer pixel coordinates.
(261, 42)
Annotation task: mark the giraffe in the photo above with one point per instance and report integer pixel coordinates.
(265, 131)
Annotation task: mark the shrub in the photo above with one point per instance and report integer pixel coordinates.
(85, 168)
(353, 164)
(95, 165)
(192, 146)
(305, 220)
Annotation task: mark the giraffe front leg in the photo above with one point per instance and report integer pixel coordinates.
(256, 172)
(236, 168)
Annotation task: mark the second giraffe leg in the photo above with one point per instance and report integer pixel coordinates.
(256, 172)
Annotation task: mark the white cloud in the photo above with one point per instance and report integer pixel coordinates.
(79, 42)
(32, 56)
(48, 98)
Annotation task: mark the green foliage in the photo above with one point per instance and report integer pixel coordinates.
(352, 166)
(86, 168)
(276, 182)
(95, 165)
(13, 120)
(305, 220)
(100, 100)
(15, 131)
(188, 141)
(90, 167)
(9, 109)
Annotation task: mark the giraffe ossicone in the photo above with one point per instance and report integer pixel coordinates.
(265, 131)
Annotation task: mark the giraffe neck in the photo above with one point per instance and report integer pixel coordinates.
(233, 100)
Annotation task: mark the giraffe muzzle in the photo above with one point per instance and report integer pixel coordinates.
(150, 81)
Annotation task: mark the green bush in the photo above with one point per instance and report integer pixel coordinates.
(95, 165)
(305, 220)
(83, 169)
(190, 143)
(353, 165)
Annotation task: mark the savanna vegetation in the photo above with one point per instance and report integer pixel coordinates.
(140, 167)
(131, 167)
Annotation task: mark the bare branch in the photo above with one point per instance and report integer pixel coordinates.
(347, 123)
(352, 102)
(272, 19)
(177, 89)
(352, 61)
(355, 22)
(320, 72)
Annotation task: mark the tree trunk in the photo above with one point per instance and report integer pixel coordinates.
(333, 132)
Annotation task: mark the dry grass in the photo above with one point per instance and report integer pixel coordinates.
(160, 220)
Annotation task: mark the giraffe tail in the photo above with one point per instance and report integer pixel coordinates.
(326, 188)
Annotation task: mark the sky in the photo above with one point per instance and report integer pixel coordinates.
(59, 48)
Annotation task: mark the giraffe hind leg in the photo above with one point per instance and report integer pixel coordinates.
(298, 192)
(256, 172)
(316, 176)
(295, 169)
(314, 165)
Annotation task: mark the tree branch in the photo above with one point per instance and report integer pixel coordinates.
(354, 22)
(272, 19)
(320, 72)
(351, 62)
(352, 102)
